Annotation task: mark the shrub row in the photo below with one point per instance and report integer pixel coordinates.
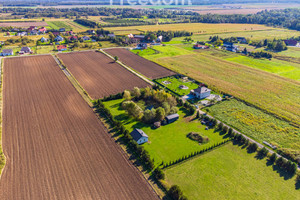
(194, 154)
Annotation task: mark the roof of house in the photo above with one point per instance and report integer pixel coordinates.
(139, 36)
(136, 134)
(86, 37)
(43, 38)
(59, 47)
(173, 116)
(25, 49)
(202, 89)
(291, 42)
(73, 38)
(7, 51)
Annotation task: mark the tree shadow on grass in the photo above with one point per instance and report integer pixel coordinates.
(282, 173)
(185, 111)
(297, 185)
(269, 162)
(260, 156)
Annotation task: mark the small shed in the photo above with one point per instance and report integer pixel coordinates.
(139, 136)
(172, 118)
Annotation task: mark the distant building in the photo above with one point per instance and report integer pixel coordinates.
(159, 38)
(85, 38)
(25, 50)
(229, 46)
(201, 92)
(69, 33)
(62, 48)
(73, 38)
(59, 38)
(21, 33)
(33, 32)
(111, 35)
(62, 30)
(199, 46)
(242, 40)
(90, 32)
(139, 136)
(55, 33)
(142, 46)
(44, 39)
(172, 118)
(7, 52)
(291, 42)
(42, 30)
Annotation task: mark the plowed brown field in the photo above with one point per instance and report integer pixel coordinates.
(55, 146)
(142, 65)
(99, 75)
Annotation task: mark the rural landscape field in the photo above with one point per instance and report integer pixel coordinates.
(123, 100)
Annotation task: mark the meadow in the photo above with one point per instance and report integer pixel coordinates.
(175, 83)
(275, 94)
(229, 172)
(257, 124)
(254, 35)
(169, 142)
(196, 28)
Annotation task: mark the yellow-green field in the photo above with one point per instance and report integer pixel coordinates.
(229, 172)
(275, 94)
(196, 28)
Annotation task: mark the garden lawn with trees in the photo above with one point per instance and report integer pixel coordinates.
(230, 171)
(175, 83)
(169, 142)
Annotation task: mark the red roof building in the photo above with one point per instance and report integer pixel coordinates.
(199, 46)
(62, 47)
(291, 42)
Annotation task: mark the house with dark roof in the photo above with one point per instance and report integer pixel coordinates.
(25, 50)
(139, 136)
(241, 40)
(62, 30)
(201, 92)
(59, 38)
(86, 38)
(73, 38)
(111, 35)
(291, 42)
(229, 46)
(172, 118)
(7, 52)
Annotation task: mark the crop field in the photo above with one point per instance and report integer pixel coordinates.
(257, 124)
(255, 35)
(275, 94)
(59, 24)
(173, 84)
(229, 172)
(56, 148)
(196, 28)
(99, 75)
(140, 64)
(169, 142)
(23, 24)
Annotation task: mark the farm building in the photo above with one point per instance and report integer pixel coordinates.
(25, 50)
(59, 38)
(201, 92)
(62, 30)
(199, 46)
(139, 136)
(44, 39)
(73, 38)
(291, 42)
(111, 35)
(7, 52)
(85, 38)
(21, 33)
(90, 32)
(42, 30)
(62, 48)
(229, 46)
(142, 46)
(242, 40)
(172, 118)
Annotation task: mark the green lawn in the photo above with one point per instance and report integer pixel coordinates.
(229, 172)
(175, 83)
(282, 68)
(169, 142)
(257, 124)
(59, 24)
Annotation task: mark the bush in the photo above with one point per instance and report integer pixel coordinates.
(273, 158)
(158, 174)
(175, 192)
(252, 147)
